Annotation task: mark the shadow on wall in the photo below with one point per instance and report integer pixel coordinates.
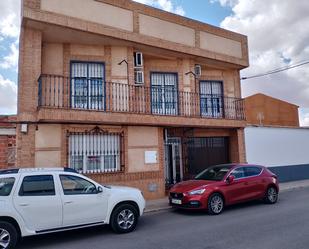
(291, 173)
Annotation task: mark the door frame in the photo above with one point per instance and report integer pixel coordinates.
(174, 142)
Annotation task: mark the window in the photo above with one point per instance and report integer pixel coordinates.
(73, 185)
(252, 171)
(95, 153)
(6, 185)
(41, 185)
(238, 173)
(164, 94)
(211, 99)
(87, 90)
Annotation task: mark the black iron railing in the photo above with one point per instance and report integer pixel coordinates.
(94, 94)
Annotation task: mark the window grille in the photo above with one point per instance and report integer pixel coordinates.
(95, 152)
(211, 99)
(164, 95)
(87, 85)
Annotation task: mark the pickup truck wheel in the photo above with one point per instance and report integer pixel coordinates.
(124, 218)
(8, 235)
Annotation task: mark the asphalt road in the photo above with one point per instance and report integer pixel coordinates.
(247, 226)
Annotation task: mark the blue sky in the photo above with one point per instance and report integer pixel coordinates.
(270, 25)
(205, 11)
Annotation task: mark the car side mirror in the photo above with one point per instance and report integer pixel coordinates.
(230, 179)
(99, 190)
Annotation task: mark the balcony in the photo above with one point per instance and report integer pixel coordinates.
(82, 94)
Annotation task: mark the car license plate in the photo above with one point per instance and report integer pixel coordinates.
(175, 201)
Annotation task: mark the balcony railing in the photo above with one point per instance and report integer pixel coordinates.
(94, 94)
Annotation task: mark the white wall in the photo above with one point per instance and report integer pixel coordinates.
(277, 146)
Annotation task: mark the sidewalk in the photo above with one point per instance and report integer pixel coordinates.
(162, 204)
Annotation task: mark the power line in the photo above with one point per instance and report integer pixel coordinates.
(278, 70)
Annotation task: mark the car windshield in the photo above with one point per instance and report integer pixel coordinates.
(6, 185)
(215, 173)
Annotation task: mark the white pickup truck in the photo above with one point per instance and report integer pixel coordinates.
(37, 201)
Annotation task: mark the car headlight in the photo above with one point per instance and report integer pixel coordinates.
(197, 192)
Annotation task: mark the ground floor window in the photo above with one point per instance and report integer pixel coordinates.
(95, 153)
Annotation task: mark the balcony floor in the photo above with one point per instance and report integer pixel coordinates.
(53, 115)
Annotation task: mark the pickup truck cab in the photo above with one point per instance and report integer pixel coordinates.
(37, 201)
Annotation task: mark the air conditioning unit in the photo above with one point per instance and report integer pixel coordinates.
(138, 59)
(139, 77)
(198, 70)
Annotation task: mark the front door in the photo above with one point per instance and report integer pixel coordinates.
(173, 161)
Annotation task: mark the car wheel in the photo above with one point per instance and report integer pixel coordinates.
(124, 218)
(215, 204)
(271, 196)
(8, 235)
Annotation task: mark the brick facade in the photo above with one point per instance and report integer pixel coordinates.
(50, 41)
(7, 142)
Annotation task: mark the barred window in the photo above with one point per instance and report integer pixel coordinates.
(95, 153)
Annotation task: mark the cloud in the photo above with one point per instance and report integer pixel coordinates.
(225, 3)
(278, 36)
(11, 60)
(9, 18)
(166, 5)
(8, 96)
(304, 117)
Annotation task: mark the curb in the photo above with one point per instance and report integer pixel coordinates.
(153, 210)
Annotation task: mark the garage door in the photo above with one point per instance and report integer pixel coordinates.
(205, 152)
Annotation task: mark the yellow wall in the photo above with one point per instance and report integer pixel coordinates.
(140, 140)
(48, 146)
(93, 11)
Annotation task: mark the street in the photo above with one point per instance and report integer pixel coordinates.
(246, 226)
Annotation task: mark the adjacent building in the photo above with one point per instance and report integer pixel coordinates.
(126, 93)
(7, 141)
(263, 110)
(274, 138)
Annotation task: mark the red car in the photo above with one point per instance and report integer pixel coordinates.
(223, 185)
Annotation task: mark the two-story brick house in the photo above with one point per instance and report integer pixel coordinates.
(126, 93)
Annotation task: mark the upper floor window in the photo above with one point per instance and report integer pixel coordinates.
(87, 85)
(211, 94)
(164, 93)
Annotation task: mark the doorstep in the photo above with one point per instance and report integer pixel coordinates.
(163, 204)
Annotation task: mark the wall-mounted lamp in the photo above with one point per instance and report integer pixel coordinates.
(123, 61)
